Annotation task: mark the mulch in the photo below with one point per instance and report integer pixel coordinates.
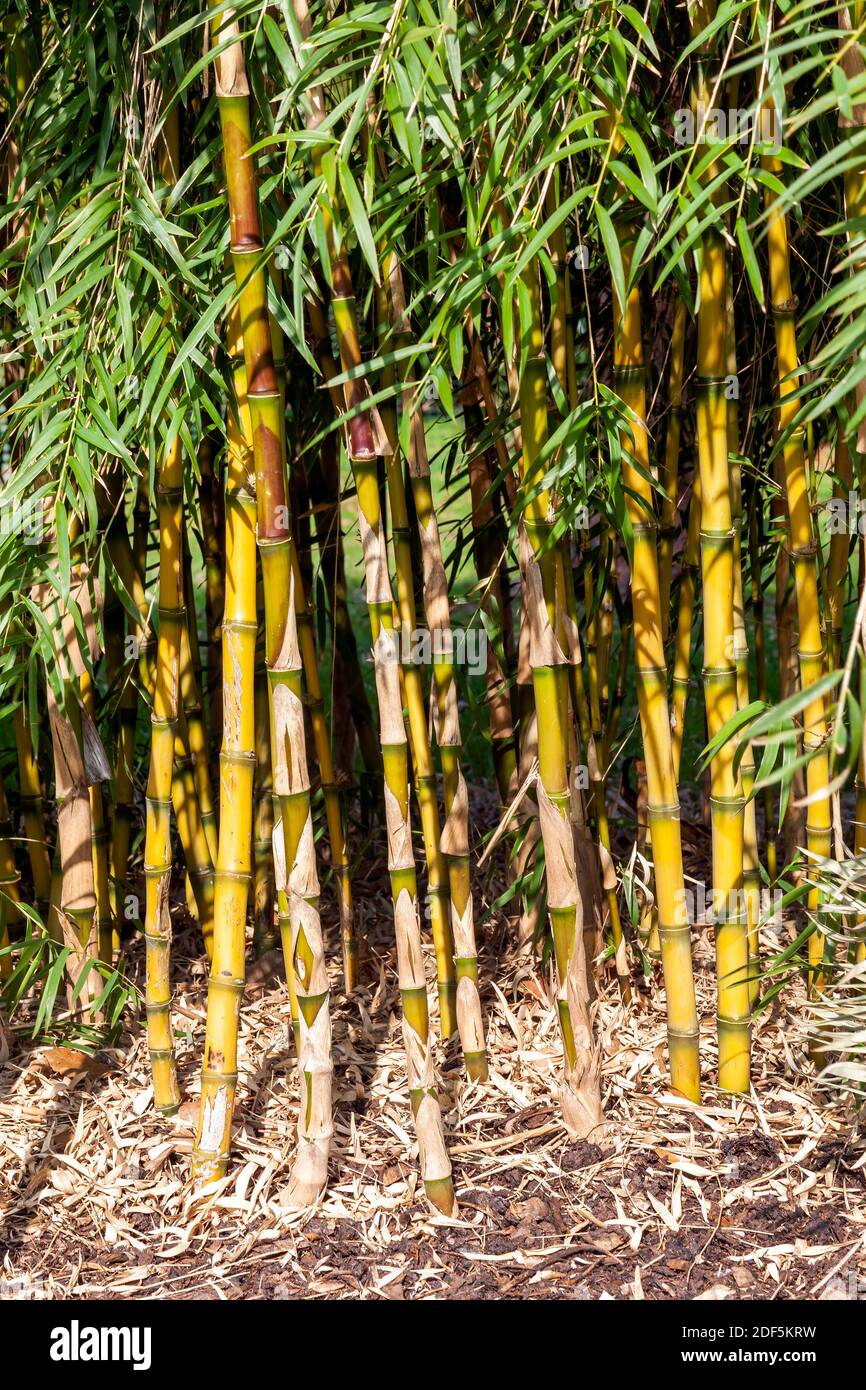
(759, 1197)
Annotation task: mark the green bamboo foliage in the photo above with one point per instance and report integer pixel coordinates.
(443, 190)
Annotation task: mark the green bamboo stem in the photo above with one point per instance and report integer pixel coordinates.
(598, 632)
(454, 841)
(756, 600)
(315, 706)
(10, 882)
(580, 1094)
(323, 477)
(488, 549)
(130, 570)
(419, 741)
(196, 738)
(836, 573)
(31, 808)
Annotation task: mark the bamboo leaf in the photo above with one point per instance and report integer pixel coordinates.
(360, 221)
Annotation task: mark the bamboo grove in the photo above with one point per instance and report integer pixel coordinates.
(405, 397)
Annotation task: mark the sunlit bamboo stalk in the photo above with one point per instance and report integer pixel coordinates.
(283, 658)
(801, 534)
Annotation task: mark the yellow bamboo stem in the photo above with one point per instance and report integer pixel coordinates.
(720, 673)
(670, 473)
(801, 536)
(157, 844)
(663, 807)
(751, 857)
(237, 771)
(283, 658)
